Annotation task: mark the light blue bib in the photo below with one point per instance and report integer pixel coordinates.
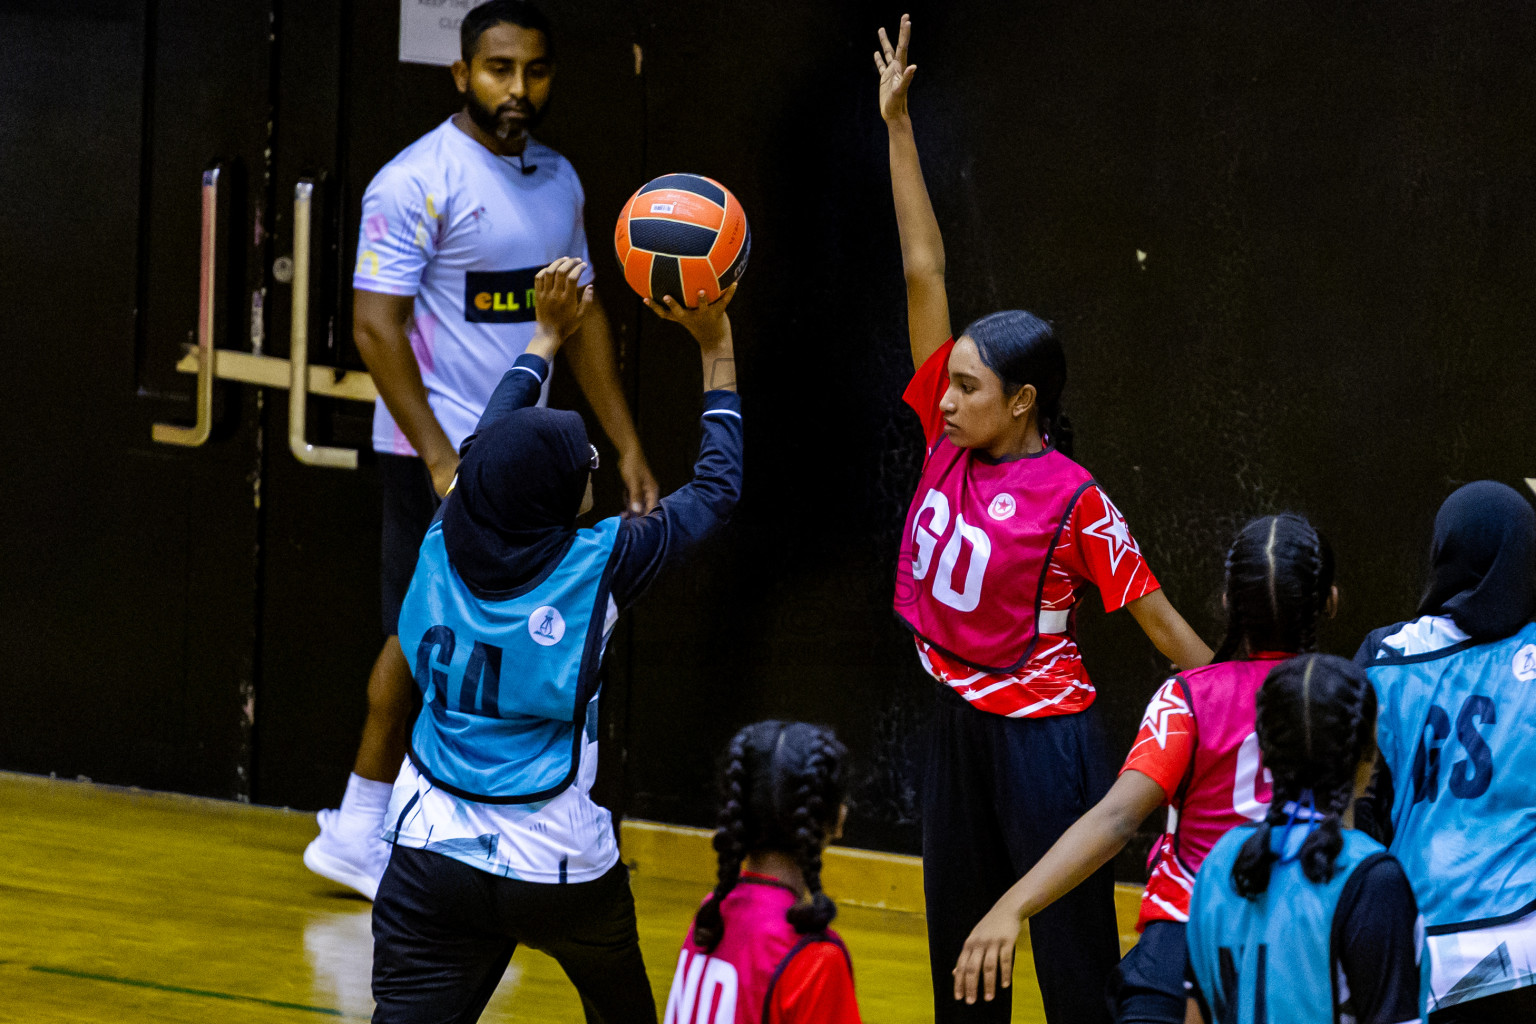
(1457, 727)
(505, 683)
(1271, 958)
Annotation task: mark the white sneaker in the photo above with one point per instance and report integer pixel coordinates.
(357, 863)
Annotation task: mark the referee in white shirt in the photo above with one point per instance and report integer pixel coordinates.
(453, 230)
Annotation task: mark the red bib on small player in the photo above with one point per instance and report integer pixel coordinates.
(735, 984)
(976, 548)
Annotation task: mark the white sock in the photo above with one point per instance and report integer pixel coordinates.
(363, 807)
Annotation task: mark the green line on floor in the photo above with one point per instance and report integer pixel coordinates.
(179, 990)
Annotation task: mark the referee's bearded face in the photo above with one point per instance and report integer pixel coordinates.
(506, 83)
(977, 412)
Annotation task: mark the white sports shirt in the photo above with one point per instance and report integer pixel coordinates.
(464, 231)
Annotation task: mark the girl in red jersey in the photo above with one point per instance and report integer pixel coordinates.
(1198, 754)
(1004, 533)
(760, 951)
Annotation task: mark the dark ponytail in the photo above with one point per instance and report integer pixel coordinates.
(1316, 722)
(1023, 349)
(1279, 578)
(782, 789)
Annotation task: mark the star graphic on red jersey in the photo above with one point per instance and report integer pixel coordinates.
(1113, 531)
(1165, 703)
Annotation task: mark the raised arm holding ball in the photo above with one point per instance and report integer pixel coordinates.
(1003, 534)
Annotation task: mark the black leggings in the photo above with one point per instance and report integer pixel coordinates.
(997, 792)
(444, 932)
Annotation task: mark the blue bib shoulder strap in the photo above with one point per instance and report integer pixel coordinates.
(506, 682)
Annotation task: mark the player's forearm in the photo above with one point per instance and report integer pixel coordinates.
(1168, 631)
(719, 362)
(922, 245)
(386, 351)
(589, 352)
(1091, 842)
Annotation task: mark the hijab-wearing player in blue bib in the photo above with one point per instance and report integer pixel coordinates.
(497, 841)
(1300, 919)
(1455, 796)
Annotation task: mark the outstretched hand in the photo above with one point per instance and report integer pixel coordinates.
(987, 959)
(707, 321)
(895, 73)
(559, 301)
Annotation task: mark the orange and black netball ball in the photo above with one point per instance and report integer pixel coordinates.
(682, 234)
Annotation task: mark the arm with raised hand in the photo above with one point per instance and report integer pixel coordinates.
(922, 246)
(560, 304)
(689, 515)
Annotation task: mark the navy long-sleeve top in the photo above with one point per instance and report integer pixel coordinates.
(649, 544)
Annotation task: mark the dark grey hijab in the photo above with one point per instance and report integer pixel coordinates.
(1483, 561)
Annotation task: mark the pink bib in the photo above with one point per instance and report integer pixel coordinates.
(975, 551)
(734, 984)
(1227, 784)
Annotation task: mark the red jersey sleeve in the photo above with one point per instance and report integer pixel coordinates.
(1165, 743)
(1098, 546)
(927, 389)
(816, 988)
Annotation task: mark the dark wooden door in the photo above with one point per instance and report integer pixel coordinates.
(130, 572)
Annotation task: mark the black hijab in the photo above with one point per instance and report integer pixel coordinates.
(1483, 561)
(513, 512)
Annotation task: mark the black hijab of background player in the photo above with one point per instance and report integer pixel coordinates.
(1279, 579)
(1483, 561)
(512, 513)
(1023, 349)
(1316, 721)
(782, 789)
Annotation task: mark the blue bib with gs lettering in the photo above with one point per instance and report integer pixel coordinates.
(505, 683)
(1457, 728)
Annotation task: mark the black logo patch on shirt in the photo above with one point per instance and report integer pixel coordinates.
(499, 296)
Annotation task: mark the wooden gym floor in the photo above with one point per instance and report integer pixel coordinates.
(122, 905)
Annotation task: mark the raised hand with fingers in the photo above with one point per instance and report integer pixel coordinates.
(895, 73)
(986, 962)
(559, 300)
(711, 328)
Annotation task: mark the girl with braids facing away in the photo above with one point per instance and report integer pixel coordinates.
(1455, 793)
(1004, 535)
(1300, 919)
(1196, 753)
(760, 951)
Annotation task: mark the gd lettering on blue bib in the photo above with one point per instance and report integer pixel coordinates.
(1270, 958)
(505, 684)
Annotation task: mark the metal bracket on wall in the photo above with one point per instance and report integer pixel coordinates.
(271, 372)
(297, 376)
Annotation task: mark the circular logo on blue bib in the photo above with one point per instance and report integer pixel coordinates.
(1525, 663)
(546, 626)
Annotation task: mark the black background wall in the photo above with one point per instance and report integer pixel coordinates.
(1334, 203)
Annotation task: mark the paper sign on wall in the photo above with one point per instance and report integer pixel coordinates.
(429, 30)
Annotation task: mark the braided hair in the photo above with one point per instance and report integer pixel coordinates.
(1279, 578)
(1316, 722)
(782, 788)
(1023, 349)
